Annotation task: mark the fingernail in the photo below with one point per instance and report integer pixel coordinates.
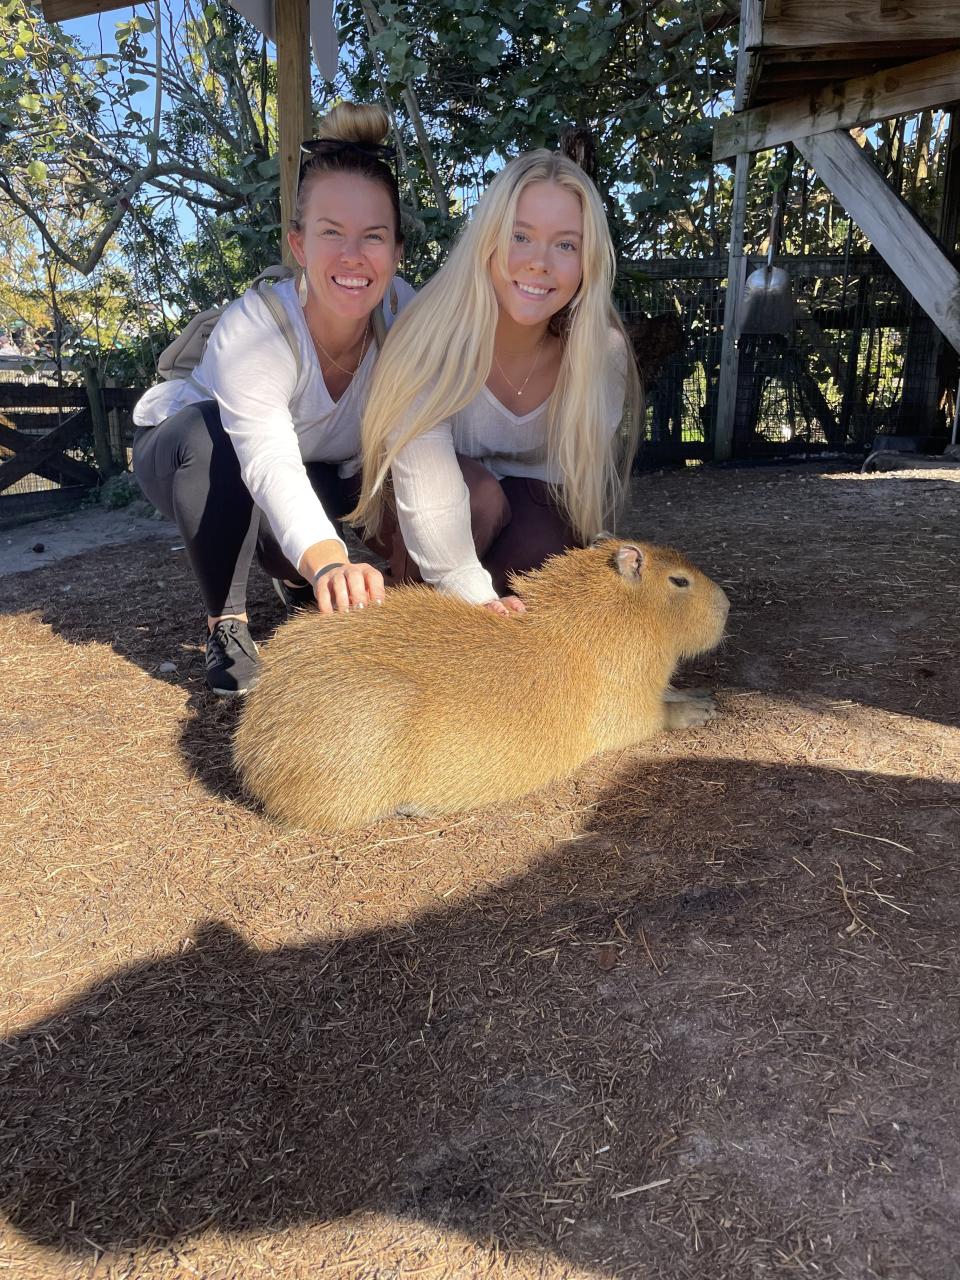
(358, 606)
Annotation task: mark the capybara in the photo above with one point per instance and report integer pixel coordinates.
(430, 705)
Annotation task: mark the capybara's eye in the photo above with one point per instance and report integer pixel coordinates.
(679, 581)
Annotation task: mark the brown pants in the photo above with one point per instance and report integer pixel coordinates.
(516, 524)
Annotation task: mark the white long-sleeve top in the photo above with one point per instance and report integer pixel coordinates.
(431, 496)
(276, 419)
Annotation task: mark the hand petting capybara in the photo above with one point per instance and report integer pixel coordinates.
(428, 704)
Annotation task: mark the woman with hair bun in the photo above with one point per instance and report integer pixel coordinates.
(505, 407)
(257, 452)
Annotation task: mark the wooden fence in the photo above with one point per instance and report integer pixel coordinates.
(860, 360)
(58, 443)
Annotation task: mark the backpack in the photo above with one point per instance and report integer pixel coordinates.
(185, 352)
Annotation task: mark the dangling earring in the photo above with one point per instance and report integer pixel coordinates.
(394, 300)
(302, 289)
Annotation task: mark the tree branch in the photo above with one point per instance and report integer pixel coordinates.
(413, 110)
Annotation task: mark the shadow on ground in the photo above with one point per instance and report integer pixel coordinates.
(841, 590)
(620, 1058)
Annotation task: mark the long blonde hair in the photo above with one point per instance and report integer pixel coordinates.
(440, 350)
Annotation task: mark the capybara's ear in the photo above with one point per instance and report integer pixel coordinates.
(629, 562)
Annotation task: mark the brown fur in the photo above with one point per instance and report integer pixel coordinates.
(430, 704)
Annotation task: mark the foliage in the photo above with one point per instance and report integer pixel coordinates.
(495, 79)
(179, 116)
(140, 182)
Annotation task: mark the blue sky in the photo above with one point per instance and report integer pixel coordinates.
(97, 29)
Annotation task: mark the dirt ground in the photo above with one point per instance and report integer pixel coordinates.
(693, 1013)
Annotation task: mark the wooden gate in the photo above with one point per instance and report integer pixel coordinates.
(50, 453)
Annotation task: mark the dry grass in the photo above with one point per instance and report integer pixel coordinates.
(693, 1013)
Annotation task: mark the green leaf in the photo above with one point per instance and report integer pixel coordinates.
(30, 102)
(385, 40)
(136, 86)
(100, 67)
(19, 51)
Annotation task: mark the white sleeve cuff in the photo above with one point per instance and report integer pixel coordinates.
(473, 584)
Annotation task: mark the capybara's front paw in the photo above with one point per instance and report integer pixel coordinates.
(686, 713)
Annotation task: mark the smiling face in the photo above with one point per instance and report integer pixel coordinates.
(544, 264)
(346, 244)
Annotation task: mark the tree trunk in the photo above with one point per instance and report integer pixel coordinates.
(101, 428)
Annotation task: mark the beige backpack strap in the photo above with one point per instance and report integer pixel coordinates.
(279, 313)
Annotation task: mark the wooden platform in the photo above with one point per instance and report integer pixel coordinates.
(796, 47)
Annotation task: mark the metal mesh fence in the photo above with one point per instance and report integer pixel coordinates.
(860, 359)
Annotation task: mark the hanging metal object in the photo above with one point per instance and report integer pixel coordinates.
(767, 305)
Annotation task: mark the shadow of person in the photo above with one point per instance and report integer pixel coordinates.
(811, 627)
(141, 600)
(659, 1018)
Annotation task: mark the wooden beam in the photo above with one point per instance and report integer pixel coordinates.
(813, 22)
(949, 223)
(751, 35)
(809, 266)
(893, 92)
(44, 449)
(65, 10)
(293, 104)
(729, 355)
(890, 225)
(59, 468)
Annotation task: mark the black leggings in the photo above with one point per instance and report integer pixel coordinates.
(188, 468)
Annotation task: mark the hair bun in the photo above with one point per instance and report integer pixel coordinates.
(360, 122)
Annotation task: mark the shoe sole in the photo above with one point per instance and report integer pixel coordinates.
(232, 693)
(292, 607)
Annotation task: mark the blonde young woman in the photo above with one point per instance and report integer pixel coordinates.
(257, 451)
(505, 406)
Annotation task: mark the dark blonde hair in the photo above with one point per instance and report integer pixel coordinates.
(359, 126)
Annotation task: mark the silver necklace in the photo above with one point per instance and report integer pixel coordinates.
(536, 360)
(363, 351)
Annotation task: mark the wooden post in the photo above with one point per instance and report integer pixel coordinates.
(949, 226)
(751, 37)
(293, 103)
(729, 356)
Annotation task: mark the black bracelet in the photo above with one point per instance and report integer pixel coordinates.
(337, 564)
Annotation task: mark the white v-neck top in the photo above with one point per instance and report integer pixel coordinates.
(432, 500)
(276, 419)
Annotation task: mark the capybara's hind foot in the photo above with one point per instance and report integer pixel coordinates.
(685, 713)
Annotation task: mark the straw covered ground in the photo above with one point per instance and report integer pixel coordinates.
(693, 1013)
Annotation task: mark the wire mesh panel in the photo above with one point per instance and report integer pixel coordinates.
(860, 359)
(679, 361)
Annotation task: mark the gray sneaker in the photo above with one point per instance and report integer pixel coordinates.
(231, 659)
